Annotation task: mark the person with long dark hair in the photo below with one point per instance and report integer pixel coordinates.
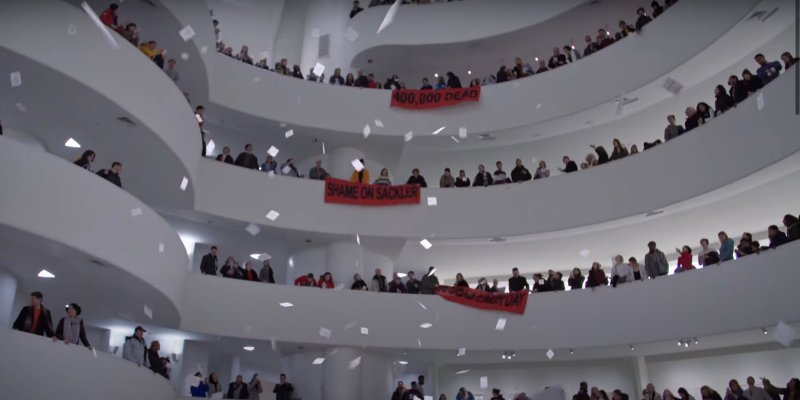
(724, 101)
(326, 281)
(70, 328)
(602, 154)
(754, 83)
(502, 75)
(213, 384)
(709, 393)
(789, 60)
(383, 178)
(361, 176)
(349, 81)
(576, 280)
(460, 281)
(596, 276)
(85, 160)
(734, 391)
(792, 227)
(452, 81)
(619, 150)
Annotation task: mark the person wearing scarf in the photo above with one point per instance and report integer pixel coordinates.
(70, 328)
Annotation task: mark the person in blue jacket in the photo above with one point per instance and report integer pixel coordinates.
(725, 247)
(463, 394)
(768, 70)
(201, 389)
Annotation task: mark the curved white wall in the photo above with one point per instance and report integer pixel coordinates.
(37, 368)
(35, 29)
(393, 319)
(712, 156)
(646, 57)
(51, 198)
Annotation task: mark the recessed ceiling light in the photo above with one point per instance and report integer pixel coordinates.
(425, 325)
(436, 75)
(72, 143)
(44, 274)
(401, 274)
(249, 348)
(318, 361)
(469, 72)
(536, 59)
(254, 256)
(286, 304)
(462, 372)
(403, 362)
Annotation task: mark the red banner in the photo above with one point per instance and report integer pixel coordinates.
(421, 99)
(345, 192)
(514, 302)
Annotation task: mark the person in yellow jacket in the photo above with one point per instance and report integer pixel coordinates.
(155, 54)
(361, 176)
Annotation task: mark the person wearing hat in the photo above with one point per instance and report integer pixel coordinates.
(496, 394)
(70, 328)
(135, 348)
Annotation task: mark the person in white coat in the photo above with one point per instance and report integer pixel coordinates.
(621, 272)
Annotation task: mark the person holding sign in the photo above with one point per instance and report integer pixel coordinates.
(360, 176)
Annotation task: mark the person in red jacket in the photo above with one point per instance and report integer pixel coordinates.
(326, 282)
(685, 259)
(109, 18)
(249, 273)
(307, 280)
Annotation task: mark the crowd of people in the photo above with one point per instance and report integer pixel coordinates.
(653, 265)
(505, 73)
(110, 174)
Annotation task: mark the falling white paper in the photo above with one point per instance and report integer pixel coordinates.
(318, 361)
(273, 215)
(462, 132)
(273, 343)
(204, 50)
(323, 147)
(428, 398)
(325, 332)
(484, 382)
(16, 78)
(426, 325)
(454, 139)
(286, 170)
(72, 143)
(270, 174)
(585, 253)
(253, 229)
(315, 33)
(431, 201)
(462, 372)
(350, 325)
(286, 304)
(21, 107)
(416, 398)
(94, 352)
(389, 18)
(72, 30)
(419, 342)
(319, 69)
(100, 25)
(436, 132)
(364, 331)
(273, 151)
(264, 257)
(425, 243)
(409, 136)
(351, 34)
(366, 131)
(198, 118)
(184, 183)
(136, 212)
(148, 311)
(379, 123)
(355, 363)
(501, 324)
(422, 305)
(185, 56)
(289, 133)
(462, 351)
(187, 33)
(784, 334)
(161, 247)
(550, 354)
(760, 101)
(673, 86)
(210, 147)
(538, 106)
(357, 165)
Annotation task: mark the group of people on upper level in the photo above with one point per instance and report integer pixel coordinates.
(111, 174)
(209, 265)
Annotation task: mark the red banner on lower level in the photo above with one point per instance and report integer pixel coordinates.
(421, 99)
(346, 192)
(514, 302)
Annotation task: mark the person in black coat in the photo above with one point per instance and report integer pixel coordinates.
(208, 265)
(570, 165)
(226, 155)
(238, 386)
(753, 82)
(25, 320)
(502, 75)
(68, 336)
(738, 89)
(602, 154)
(642, 20)
(557, 59)
(452, 81)
(112, 175)
(156, 365)
(692, 119)
(520, 173)
(575, 281)
(362, 81)
(657, 9)
(517, 283)
(416, 179)
(776, 237)
(483, 178)
(266, 275)
(283, 390)
(724, 101)
(247, 159)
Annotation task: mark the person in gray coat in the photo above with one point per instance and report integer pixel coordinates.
(429, 282)
(266, 274)
(254, 388)
(672, 131)
(135, 348)
(655, 262)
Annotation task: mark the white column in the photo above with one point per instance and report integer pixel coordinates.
(339, 381)
(376, 377)
(8, 290)
(236, 364)
(305, 376)
(344, 260)
(642, 377)
(432, 381)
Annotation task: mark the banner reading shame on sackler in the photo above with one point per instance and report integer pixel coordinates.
(513, 302)
(421, 99)
(345, 192)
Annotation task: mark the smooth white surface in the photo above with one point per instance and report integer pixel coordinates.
(397, 324)
(645, 57)
(48, 197)
(41, 369)
(556, 203)
(8, 291)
